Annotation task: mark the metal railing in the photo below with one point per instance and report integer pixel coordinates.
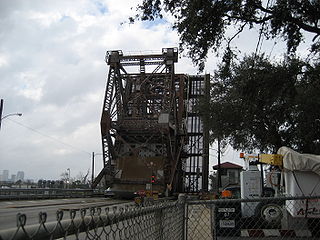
(42, 193)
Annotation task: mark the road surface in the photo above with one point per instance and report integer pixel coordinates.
(10, 209)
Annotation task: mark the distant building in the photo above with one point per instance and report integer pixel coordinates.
(5, 175)
(230, 175)
(20, 176)
(13, 178)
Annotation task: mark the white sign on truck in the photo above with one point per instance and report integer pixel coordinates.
(250, 188)
(302, 178)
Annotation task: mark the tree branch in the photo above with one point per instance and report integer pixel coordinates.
(265, 19)
(233, 37)
(304, 26)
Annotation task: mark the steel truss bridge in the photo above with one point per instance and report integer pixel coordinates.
(152, 134)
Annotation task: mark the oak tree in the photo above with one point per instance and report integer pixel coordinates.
(202, 24)
(264, 105)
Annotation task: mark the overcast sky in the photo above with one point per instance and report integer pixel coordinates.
(53, 71)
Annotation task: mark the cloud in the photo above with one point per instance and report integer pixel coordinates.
(53, 71)
(30, 85)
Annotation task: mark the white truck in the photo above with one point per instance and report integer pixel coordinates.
(292, 174)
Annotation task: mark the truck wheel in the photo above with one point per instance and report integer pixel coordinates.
(270, 214)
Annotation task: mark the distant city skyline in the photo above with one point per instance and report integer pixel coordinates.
(14, 177)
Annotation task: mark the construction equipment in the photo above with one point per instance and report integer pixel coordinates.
(289, 174)
(152, 137)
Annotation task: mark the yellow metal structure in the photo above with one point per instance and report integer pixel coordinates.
(272, 159)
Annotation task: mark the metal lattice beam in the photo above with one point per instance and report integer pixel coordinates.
(145, 124)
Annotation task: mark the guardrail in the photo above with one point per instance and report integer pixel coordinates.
(44, 193)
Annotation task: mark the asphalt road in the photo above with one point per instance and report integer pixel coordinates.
(10, 209)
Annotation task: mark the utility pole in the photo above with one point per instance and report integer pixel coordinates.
(92, 176)
(1, 109)
(219, 166)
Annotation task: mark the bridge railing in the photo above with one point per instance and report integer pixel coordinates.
(42, 193)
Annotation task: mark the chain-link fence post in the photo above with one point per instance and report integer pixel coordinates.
(159, 220)
(213, 222)
(182, 201)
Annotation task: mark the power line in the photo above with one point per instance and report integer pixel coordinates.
(260, 39)
(45, 135)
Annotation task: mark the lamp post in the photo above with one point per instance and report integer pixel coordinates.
(8, 115)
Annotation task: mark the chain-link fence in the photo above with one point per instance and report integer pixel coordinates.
(263, 218)
(187, 219)
(160, 220)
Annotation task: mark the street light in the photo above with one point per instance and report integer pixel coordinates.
(11, 114)
(8, 115)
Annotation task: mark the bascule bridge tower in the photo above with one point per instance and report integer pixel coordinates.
(151, 134)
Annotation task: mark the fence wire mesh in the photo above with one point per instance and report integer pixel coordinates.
(160, 220)
(263, 218)
(222, 219)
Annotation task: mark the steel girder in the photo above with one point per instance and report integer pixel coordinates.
(144, 123)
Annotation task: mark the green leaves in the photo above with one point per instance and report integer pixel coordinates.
(265, 105)
(202, 24)
(255, 103)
